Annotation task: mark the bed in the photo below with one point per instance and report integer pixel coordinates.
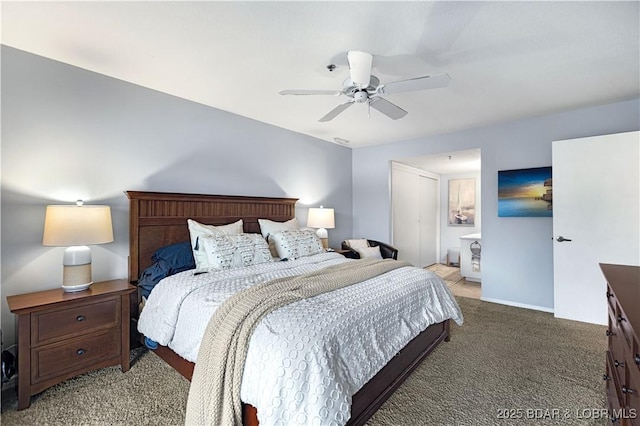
(159, 219)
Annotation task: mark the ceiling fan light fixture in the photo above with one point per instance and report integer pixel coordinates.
(363, 88)
(360, 67)
(361, 96)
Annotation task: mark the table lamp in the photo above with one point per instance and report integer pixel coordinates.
(322, 219)
(76, 227)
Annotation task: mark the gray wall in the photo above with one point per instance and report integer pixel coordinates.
(68, 133)
(517, 253)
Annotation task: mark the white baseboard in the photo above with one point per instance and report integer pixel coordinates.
(516, 304)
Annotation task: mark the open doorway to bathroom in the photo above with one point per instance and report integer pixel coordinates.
(457, 242)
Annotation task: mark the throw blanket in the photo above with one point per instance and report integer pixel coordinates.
(214, 395)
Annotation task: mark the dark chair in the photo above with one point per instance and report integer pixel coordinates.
(387, 251)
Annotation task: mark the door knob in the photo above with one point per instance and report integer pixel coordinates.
(562, 239)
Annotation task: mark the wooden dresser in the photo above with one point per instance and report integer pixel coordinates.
(61, 335)
(623, 356)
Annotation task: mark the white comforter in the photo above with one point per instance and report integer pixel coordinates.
(307, 359)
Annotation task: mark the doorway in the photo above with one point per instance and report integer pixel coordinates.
(415, 219)
(443, 167)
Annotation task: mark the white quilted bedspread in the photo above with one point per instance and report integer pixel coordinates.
(307, 359)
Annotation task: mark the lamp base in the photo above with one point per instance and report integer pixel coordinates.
(76, 277)
(74, 288)
(323, 235)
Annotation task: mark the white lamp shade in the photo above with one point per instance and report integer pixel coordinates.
(72, 225)
(321, 218)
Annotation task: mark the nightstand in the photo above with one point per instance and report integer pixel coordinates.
(61, 335)
(340, 251)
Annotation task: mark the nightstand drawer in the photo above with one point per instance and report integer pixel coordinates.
(73, 356)
(80, 319)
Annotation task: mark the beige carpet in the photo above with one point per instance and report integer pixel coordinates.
(459, 286)
(449, 274)
(502, 358)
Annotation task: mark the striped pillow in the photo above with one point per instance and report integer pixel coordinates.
(233, 251)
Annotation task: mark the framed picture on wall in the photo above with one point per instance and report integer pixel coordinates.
(525, 192)
(462, 202)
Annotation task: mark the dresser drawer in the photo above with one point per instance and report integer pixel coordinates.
(623, 372)
(74, 320)
(634, 362)
(612, 299)
(613, 385)
(73, 356)
(632, 392)
(625, 327)
(617, 342)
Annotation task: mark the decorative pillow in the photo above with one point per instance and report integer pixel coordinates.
(197, 230)
(295, 244)
(232, 251)
(358, 244)
(370, 252)
(179, 256)
(167, 261)
(270, 227)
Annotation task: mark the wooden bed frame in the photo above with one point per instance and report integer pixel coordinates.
(158, 219)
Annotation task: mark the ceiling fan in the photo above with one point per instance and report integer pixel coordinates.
(362, 87)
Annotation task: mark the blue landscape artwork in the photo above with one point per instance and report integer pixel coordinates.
(525, 193)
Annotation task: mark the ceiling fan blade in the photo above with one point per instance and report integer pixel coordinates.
(360, 68)
(311, 92)
(334, 112)
(392, 111)
(413, 84)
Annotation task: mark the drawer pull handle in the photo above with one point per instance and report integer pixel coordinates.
(610, 333)
(609, 294)
(80, 318)
(637, 359)
(606, 377)
(621, 318)
(626, 390)
(81, 351)
(618, 363)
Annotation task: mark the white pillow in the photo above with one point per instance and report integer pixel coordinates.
(197, 230)
(370, 252)
(358, 244)
(295, 244)
(232, 251)
(270, 227)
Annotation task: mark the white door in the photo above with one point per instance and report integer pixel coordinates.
(596, 210)
(414, 211)
(404, 187)
(428, 220)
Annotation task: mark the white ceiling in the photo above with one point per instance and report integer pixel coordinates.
(446, 163)
(507, 60)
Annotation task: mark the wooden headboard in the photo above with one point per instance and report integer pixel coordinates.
(157, 219)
